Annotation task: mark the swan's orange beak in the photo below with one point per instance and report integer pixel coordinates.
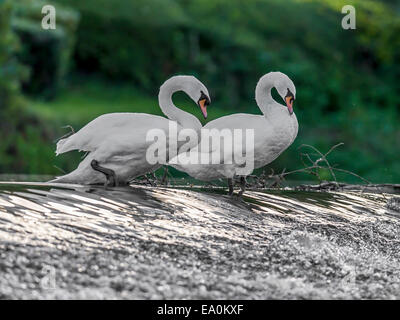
(289, 102)
(203, 103)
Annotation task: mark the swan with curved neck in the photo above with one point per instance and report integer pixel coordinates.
(274, 131)
(117, 143)
(283, 85)
(192, 87)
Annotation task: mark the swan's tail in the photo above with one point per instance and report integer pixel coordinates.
(59, 147)
(84, 174)
(65, 145)
(78, 177)
(68, 178)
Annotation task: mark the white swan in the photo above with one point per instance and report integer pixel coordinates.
(274, 131)
(117, 141)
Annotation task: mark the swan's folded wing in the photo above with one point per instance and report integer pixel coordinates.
(93, 135)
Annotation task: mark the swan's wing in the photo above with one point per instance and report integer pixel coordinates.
(123, 153)
(92, 136)
(296, 129)
(220, 146)
(235, 127)
(238, 139)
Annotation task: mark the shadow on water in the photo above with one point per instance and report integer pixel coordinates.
(206, 222)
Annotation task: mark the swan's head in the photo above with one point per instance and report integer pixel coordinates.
(285, 88)
(203, 102)
(192, 87)
(198, 93)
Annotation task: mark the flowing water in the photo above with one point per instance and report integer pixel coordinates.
(72, 241)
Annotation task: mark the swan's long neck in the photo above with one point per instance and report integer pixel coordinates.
(183, 118)
(264, 99)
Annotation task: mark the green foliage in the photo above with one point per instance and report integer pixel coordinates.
(229, 44)
(135, 38)
(347, 80)
(22, 133)
(46, 52)
(10, 71)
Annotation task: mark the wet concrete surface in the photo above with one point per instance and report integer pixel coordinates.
(138, 242)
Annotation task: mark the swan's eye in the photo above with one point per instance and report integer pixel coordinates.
(204, 99)
(203, 102)
(289, 96)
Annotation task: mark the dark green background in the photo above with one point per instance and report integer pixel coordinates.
(108, 56)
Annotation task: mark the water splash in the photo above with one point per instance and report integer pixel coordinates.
(61, 217)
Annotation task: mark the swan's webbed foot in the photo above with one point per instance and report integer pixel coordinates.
(239, 196)
(230, 186)
(164, 179)
(242, 187)
(110, 174)
(153, 181)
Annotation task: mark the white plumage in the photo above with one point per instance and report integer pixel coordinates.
(117, 141)
(274, 131)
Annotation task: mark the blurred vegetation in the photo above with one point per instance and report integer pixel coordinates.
(47, 54)
(122, 50)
